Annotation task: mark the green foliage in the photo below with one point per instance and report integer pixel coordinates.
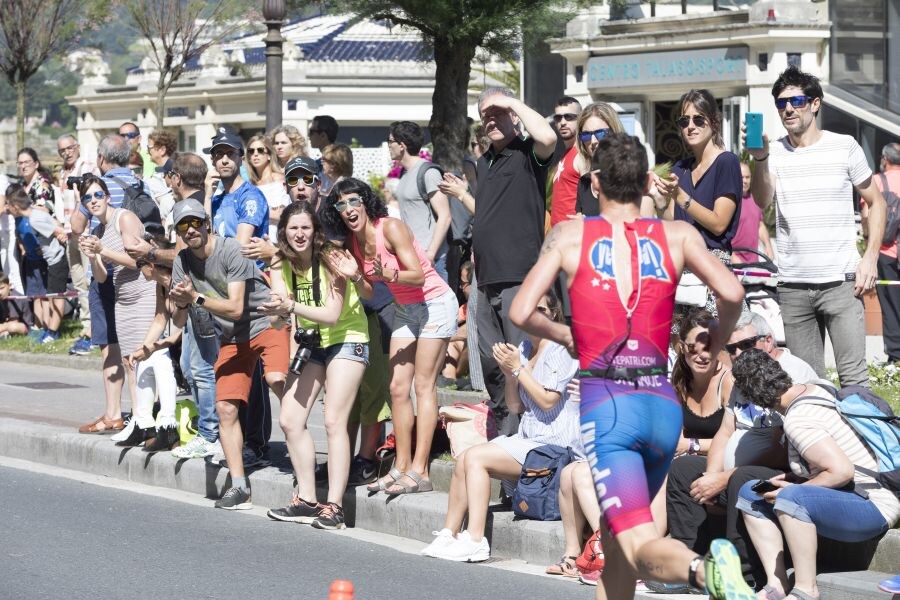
(46, 90)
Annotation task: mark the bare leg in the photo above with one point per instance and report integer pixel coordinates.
(658, 509)
(617, 579)
(295, 408)
(458, 501)
(113, 379)
(572, 517)
(402, 365)
(344, 377)
(803, 544)
(369, 436)
(429, 355)
(483, 462)
(54, 317)
(587, 505)
(230, 435)
(767, 539)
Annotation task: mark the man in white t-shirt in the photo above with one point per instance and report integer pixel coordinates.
(811, 173)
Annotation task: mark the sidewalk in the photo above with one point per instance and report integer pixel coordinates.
(43, 430)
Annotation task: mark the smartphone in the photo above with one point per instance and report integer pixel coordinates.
(754, 130)
(764, 486)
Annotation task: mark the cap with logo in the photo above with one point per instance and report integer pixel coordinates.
(304, 163)
(225, 137)
(189, 207)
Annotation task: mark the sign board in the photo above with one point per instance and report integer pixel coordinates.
(710, 65)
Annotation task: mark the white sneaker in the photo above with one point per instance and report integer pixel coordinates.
(198, 447)
(123, 435)
(463, 549)
(442, 539)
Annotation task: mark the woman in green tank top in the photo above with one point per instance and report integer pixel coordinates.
(332, 333)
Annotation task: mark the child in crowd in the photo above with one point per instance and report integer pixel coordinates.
(12, 312)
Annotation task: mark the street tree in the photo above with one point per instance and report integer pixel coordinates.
(32, 32)
(179, 31)
(454, 30)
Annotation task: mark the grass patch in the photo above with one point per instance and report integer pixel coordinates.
(68, 334)
(891, 394)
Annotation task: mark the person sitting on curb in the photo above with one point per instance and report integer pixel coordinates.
(537, 374)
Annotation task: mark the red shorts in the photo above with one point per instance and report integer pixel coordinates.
(236, 362)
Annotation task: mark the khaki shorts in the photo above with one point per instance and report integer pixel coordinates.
(236, 363)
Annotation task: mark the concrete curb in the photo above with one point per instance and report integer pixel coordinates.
(92, 362)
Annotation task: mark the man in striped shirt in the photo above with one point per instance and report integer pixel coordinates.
(811, 174)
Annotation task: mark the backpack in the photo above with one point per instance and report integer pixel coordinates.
(874, 422)
(537, 493)
(138, 201)
(460, 232)
(892, 219)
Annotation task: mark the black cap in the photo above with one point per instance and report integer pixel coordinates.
(301, 162)
(224, 137)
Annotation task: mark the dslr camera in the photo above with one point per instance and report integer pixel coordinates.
(72, 182)
(307, 340)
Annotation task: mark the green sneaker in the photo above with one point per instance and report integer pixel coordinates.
(724, 579)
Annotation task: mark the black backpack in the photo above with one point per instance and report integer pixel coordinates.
(460, 231)
(892, 219)
(138, 201)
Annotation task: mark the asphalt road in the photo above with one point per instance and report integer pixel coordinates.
(80, 539)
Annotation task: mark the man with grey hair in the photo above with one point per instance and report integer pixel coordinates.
(888, 183)
(509, 213)
(112, 160)
(75, 166)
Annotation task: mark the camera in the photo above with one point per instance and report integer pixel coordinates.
(307, 340)
(73, 182)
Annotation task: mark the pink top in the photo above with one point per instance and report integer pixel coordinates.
(433, 287)
(747, 234)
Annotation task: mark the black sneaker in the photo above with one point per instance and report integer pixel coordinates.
(298, 511)
(330, 517)
(362, 471)
(137, 437)
(165, 438)
(235, 498)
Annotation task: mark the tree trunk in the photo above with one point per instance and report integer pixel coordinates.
(20, 113)
(161, 90)
(453, 65)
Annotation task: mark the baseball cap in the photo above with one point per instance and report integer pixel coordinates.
(224, 137)
(301, 162)
(188, 207)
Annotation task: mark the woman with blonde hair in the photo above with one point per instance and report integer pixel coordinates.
(268, 177)
(287, 142)
(337, 164)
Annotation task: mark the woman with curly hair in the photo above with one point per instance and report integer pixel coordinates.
(383, 249)
(288, 142)
(328, 310)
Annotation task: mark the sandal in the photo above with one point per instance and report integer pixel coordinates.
(773, 593)
(103, 425)
(382, 483)
(420, 485)
(800, 595)
(565, 567)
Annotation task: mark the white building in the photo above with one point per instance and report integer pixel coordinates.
(365, 74)
(645, 63)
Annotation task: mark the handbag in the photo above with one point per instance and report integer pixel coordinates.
(537, 492)
(468, 425)
(690, 291)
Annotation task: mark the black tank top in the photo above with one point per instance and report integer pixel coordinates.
(703, 428)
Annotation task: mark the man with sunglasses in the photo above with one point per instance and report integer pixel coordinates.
(565, 115)
(73, 165)
(211, 273)
(822, 276)
(746, 447)
(132, 133)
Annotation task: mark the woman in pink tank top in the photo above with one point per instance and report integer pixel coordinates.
(383, 248)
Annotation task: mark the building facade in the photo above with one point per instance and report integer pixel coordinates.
(644, 64)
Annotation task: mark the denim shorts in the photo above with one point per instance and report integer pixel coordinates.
(840, 515)
(355, 351)
(431, 319)
(102, 303)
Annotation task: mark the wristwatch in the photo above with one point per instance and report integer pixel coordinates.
(687, 204)
(516, 372)
(201, 300)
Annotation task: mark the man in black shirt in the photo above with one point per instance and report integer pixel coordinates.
(509, 225)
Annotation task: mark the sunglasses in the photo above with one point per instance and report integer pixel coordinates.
(137, 170)
(343, 205)
(171, 173)
(252, 151)
(685, 121)
(293, 180)
(567, 116)
(98, 195)
(796, 102)
(183, 225)
(585, 136)
(743, 345)
(130, 135)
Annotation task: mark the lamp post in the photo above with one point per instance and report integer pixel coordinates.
(273, 13)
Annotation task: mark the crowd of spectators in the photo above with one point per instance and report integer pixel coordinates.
(285, 274)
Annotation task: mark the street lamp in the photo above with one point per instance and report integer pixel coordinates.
(273, 13)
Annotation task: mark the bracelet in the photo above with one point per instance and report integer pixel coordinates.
(151, 255)
(396, 276)
(516, 372)
(358, 278)
(766, 157)
(693, 446)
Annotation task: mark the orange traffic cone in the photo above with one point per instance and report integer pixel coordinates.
(341, 590)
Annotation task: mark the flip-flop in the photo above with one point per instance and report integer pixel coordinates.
(801, 595)
(773, 593)
(421, 485)
(380, 484)
(565, 567)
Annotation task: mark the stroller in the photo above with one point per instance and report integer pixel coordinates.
(760, 281)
